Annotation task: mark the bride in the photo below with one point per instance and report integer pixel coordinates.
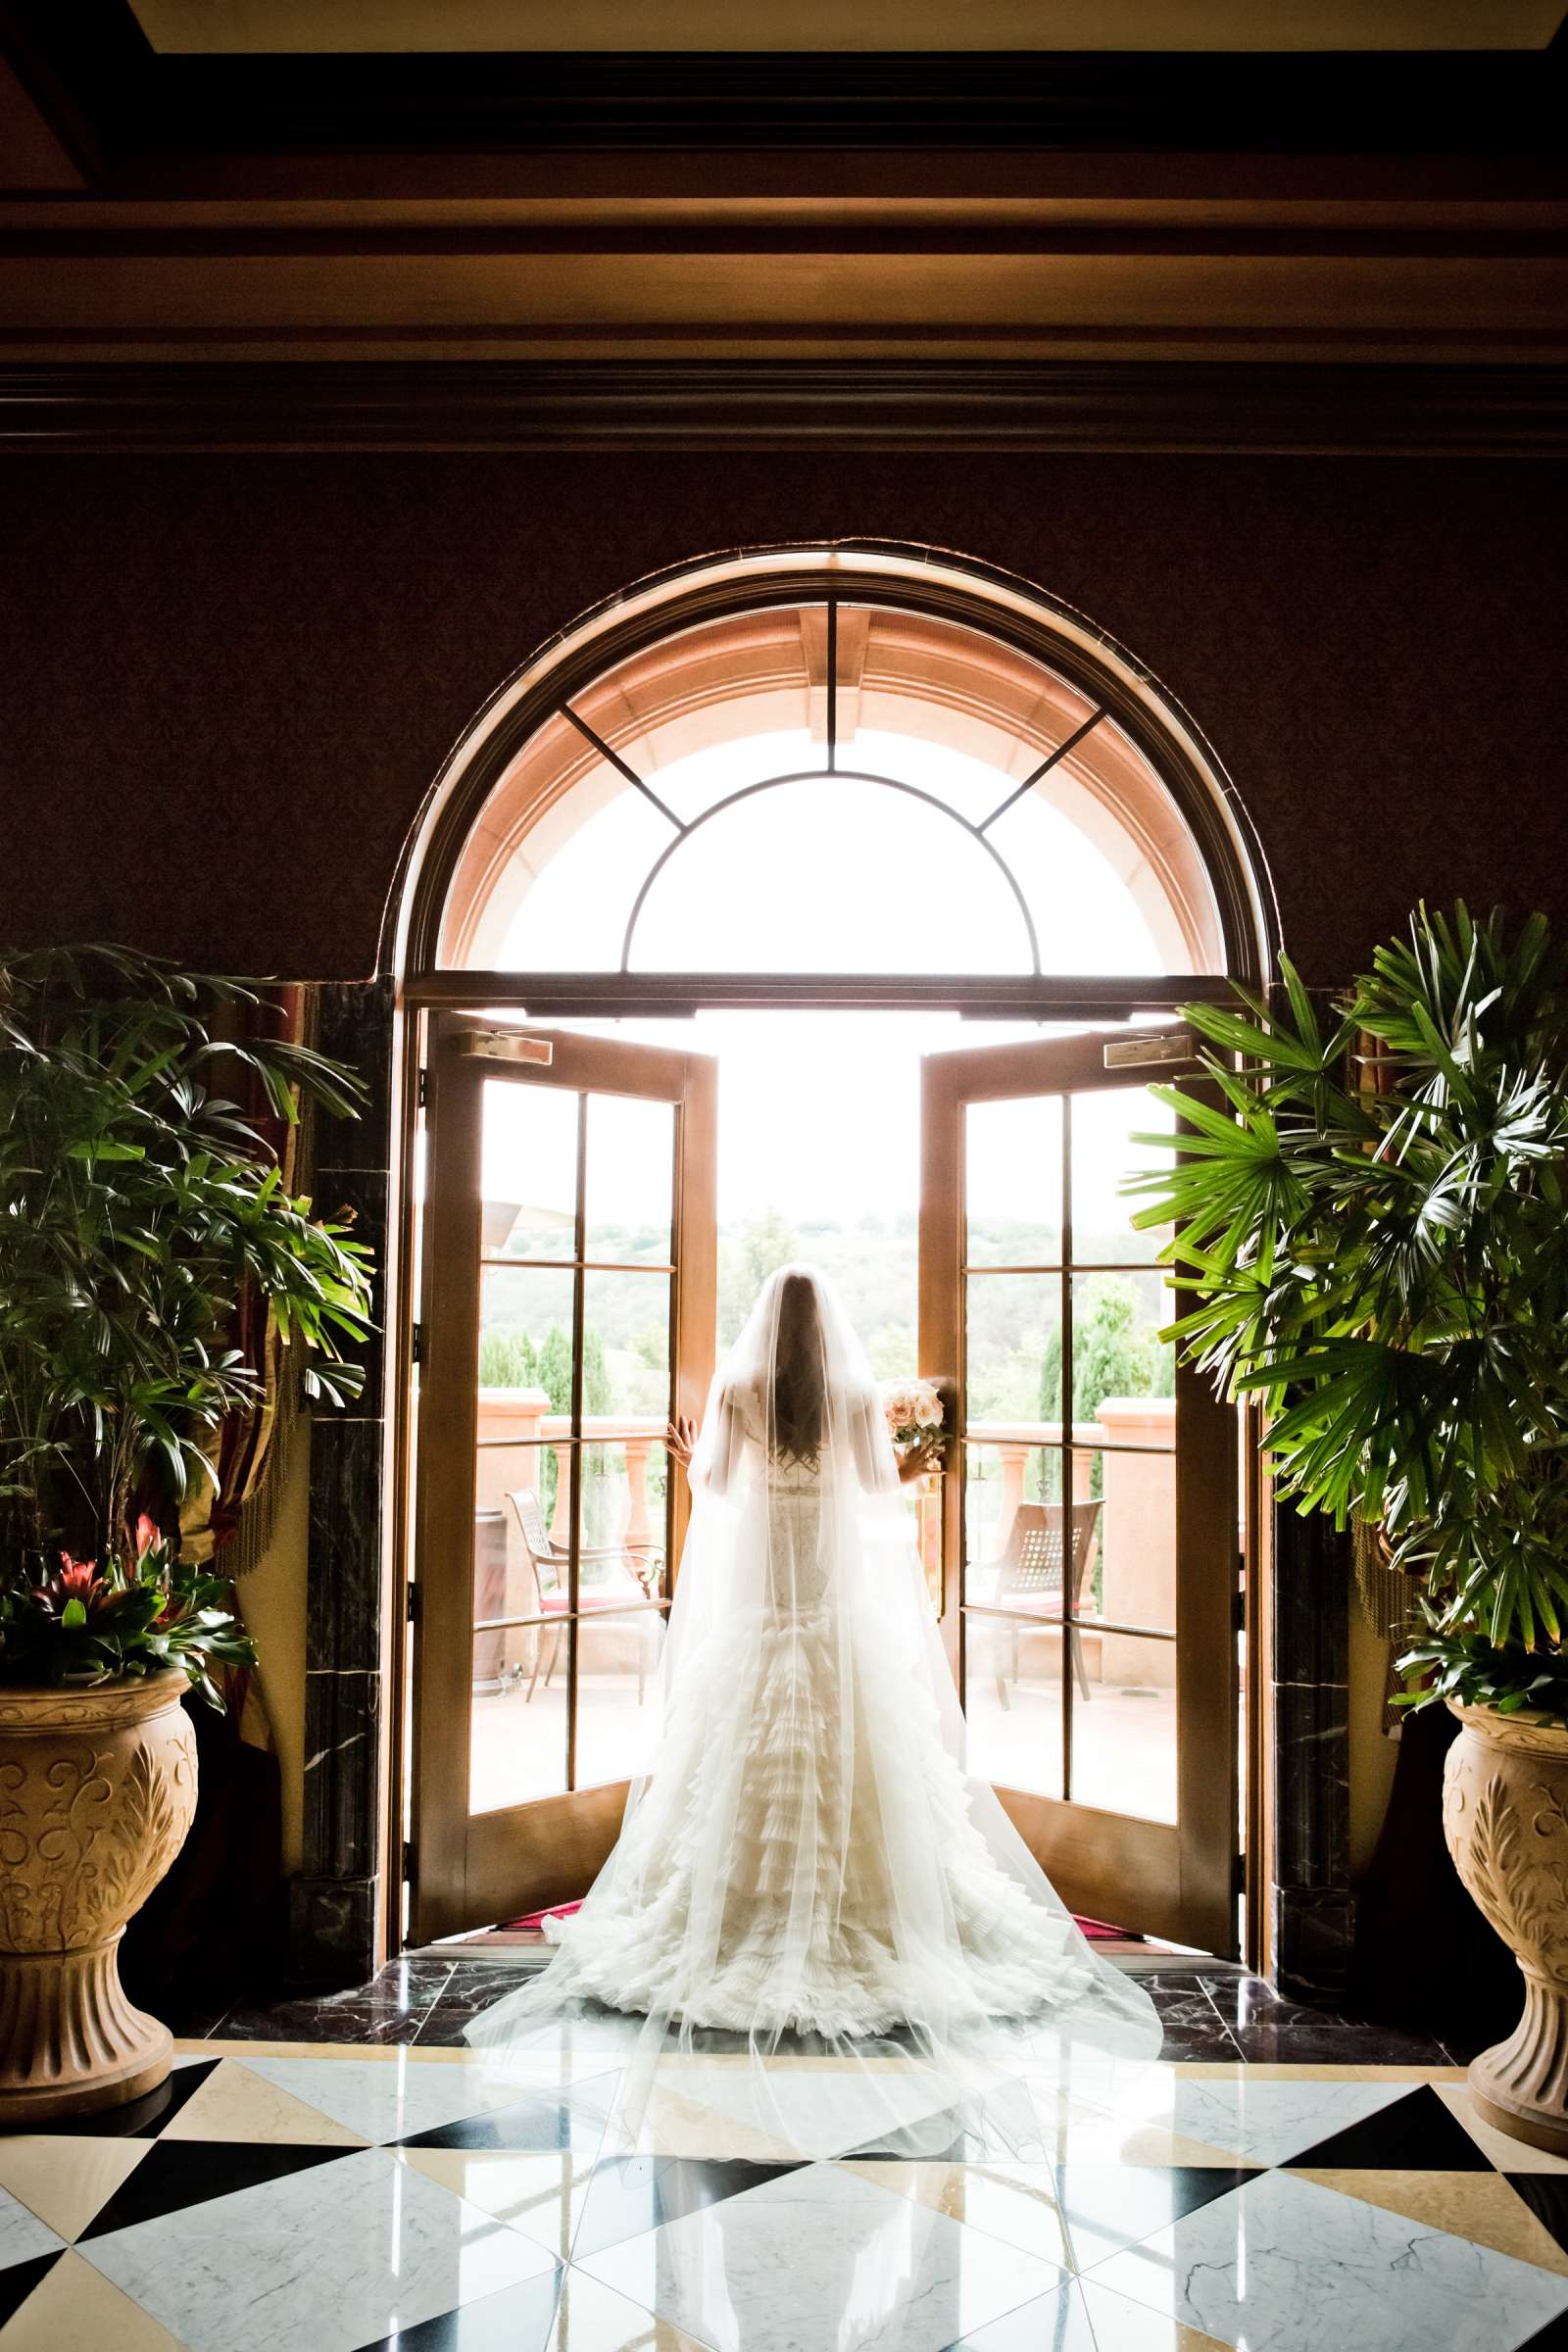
(830, 1931)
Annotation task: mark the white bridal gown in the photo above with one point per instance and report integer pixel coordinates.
(831, 1931)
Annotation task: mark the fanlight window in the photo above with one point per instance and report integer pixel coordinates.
(839, 787)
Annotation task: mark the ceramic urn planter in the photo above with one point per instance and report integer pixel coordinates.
(1506, 1817)
(97, 1789)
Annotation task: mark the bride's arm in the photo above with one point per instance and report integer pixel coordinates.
(681, 1440)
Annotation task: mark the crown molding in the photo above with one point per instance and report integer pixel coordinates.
(891, 404)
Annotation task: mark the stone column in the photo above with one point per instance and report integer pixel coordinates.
(1312, 1906)
(336, 1900)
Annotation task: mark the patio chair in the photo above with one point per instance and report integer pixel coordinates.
(1031, 1575)
(547, 1565)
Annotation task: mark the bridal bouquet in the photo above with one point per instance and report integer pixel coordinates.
(914, 1413)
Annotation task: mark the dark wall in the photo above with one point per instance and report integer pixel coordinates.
(228, 680)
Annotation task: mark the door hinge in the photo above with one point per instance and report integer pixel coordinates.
(1238, 1609)
(410, 1863)
(417, 1345)
(412, 1590)
(1238, 1874)
(1150, 1053)
(505, 1045)
(424, 1090)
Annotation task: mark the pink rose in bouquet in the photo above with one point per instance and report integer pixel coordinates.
(915, 1414)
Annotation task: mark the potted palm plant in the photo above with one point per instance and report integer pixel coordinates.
(137, 1202)
(1371, 1220)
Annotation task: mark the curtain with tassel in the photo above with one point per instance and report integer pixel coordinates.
(212, 1931)
(1424, 1957)
(1386, 1595)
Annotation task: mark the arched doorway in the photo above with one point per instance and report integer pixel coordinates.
(846, 786)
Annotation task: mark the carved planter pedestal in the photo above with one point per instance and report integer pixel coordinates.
(97, 1789)
(1505, 1818)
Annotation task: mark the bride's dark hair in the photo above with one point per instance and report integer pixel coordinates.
(799, 1385)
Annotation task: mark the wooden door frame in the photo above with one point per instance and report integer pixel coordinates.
(428, 999)
(1090, 1849)
(574, 1832)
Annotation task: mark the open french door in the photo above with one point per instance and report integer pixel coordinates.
(566, 1309)
(1089, 1531)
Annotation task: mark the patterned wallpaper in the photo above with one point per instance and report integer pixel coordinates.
(226, 681)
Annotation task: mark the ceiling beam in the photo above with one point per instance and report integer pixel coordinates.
(149, 110)
(1473, 410)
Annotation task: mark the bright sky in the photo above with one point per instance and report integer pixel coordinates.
(819, 1112)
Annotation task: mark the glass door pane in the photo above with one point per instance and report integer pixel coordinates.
(570, 1487)
(1092, 1552)
(568, 1267)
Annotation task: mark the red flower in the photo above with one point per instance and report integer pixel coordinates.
(72, 1580)
(147, 1537)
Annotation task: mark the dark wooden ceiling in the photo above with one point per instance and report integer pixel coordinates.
(1179, 249)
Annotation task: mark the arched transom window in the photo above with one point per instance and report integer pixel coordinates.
(835, 782)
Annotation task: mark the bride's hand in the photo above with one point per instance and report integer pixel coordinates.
(680, 1440)
(918, 1460)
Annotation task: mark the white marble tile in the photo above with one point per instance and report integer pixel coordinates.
(592, 2318)
(1122, 2327)
(1171, 2119)
(21, 2234)
(381, 2102)
(328, 2263)
(1055, 2322)
(1017, 2202)
(543, 2196)
(1281, 2265)
(822, 2260)
(1080, 2318)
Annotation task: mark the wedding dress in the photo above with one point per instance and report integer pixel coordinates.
(830, 1931)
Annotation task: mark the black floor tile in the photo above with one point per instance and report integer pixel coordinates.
(629, 2194)
(139, 2119)
(575, 2119)
(516, 2320)
(1196, 2045)
(1546, 2195)
(196, 2025)
(18, 2278)
(1413, 2135)
(1338, 2042)
(391, 2008)
(179, 2173)
(1183, 2005)
(469, 1990)
(1270, 2030)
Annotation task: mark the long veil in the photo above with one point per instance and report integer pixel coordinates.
(817, 1933)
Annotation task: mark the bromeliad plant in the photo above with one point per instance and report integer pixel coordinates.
(78, 1624)
(1374, 1230)
(137, 1201)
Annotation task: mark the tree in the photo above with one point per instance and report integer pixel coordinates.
(555, 1369)
(768, 1244)
(506, 1360)
(744, 1266)
(1114, 1355)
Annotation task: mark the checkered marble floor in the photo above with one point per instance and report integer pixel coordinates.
(328, 2197)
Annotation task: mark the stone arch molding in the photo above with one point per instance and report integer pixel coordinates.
(742, 646)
